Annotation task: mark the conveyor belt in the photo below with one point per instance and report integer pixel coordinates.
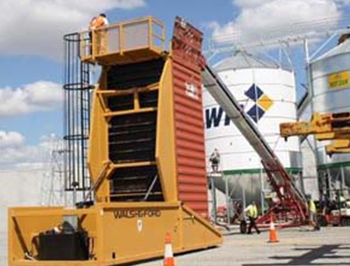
(226, 100)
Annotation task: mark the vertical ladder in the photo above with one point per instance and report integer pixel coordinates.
(85, 104)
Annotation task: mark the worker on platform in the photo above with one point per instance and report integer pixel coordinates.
(215, 160)
(101, 21)
(252, 213)
(96, 23)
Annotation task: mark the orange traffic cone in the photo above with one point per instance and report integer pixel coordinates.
(168, 253)
(273, 232)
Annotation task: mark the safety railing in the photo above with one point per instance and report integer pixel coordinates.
(143, 33)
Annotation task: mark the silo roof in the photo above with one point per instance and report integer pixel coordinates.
(242, 60)
(339, 49)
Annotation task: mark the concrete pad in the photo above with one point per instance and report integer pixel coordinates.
(298, 246)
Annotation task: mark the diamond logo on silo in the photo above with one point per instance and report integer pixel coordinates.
(261, 100)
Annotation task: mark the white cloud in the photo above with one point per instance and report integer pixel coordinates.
(248, 3)
(10, 139)
(38, 96)
(261, 19)
(37, 26)
(17, 154)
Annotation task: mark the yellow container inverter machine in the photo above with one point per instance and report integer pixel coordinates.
(145, 154)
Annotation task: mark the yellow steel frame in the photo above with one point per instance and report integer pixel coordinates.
(329, 126)
(121, 232)
(319, 124)
(339, 146)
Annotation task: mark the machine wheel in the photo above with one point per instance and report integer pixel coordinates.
(322, 221)
(243, 227)
(346, 221)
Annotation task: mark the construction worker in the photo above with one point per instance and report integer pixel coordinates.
(313, 214)
(252, 213)
(99, 22)
(215, 160)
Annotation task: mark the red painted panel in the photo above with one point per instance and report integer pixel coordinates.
(189, 119)
(192, 188)
(188, 144)
(194, 197)
(189, 128)
(192, 162)
(195, 130)
(180, 111)
(182, 76)
(187, 153)
(193, 180)
(189, 137)
(187, 102)
(192, 171)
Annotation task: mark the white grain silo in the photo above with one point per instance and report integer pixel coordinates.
(330, 80)
(267, 94)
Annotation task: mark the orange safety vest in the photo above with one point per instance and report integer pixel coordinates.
(100, 22)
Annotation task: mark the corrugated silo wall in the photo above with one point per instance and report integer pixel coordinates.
(330, 80)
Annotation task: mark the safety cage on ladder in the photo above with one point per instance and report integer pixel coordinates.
(77, 103)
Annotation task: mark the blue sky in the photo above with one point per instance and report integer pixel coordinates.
(30, 50)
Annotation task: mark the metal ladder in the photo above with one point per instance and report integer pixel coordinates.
(85, 102)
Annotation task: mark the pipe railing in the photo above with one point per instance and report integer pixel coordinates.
(118, 38)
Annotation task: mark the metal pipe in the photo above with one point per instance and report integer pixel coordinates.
(342, 179)
(227, 201)
(262, 191)
(214, 202)
(244, 202)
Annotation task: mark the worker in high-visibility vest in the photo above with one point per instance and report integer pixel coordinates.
(98, 22)
(313, 214)
(252, 213)
(101, 21)
(95, 24)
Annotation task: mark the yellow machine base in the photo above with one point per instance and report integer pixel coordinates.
(118, 232)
